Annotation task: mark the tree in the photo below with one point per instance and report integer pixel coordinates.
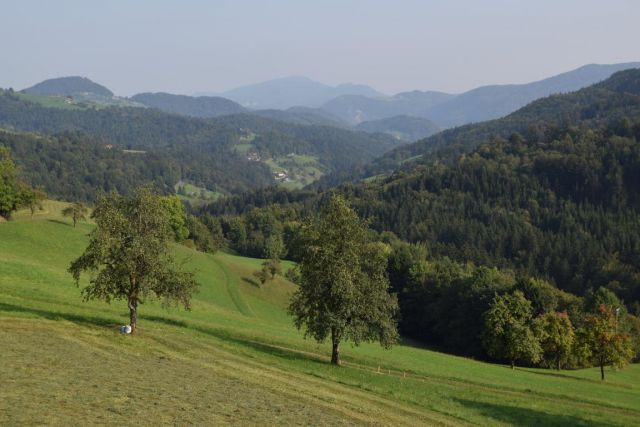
(344, 289)
(177, 217)
(508, 332)
(557, 336)
(128, 254)
(32, 198)
(606, 345)
(9, 184)
(77, 211)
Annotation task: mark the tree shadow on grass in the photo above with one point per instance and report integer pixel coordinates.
(251, 282)
(526, 417)
(224, 335)
(59, 221)
(55, 315)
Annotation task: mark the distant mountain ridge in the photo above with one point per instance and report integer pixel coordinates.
(290, 92)
(476, 105)
(68, 86)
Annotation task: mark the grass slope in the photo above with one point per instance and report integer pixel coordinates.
(236, 359)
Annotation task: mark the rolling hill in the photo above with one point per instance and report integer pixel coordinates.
(237, 358)
(201, 106)
(68, 86)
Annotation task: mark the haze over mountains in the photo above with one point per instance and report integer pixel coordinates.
(300, 100)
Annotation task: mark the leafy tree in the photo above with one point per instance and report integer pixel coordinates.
(200, 235)
(177, 217)
(557, 336)
(508, 332)
(77, 211)
(9, 184)
(128, 254)
(33, 198)
(606, 344)
(343, 285)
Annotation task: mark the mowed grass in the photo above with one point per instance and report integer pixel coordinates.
(237, 359)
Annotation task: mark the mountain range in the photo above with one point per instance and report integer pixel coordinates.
(299, 100)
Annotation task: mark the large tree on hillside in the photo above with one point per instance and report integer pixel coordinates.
(128, 254)
(344, 289)
(508, 334)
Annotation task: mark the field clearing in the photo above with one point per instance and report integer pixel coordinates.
(237, 359)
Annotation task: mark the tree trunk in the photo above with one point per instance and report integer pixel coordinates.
(513, 364)
(558, 364)
(602, 371)
(133, 314)
(74, 222)
(335, 350)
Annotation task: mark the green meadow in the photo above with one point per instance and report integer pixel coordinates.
(236, 358)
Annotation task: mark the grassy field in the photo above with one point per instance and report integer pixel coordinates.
(236, 359)
(197, 196)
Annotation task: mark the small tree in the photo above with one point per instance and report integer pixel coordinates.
(262, 275)
(128, 254)
(557, 336)
(508, 332)
(606, 345)
(343, 283)
(77, 211)
(32, 198)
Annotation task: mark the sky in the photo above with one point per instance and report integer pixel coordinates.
(192, 46)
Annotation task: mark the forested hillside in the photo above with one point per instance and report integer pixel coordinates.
(200, 106)
(226, 154)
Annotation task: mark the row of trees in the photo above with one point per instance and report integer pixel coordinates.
(512, 333)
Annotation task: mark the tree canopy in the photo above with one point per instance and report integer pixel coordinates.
(344, 290)
(128, 254)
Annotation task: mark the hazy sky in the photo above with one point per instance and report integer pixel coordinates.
(188, 46)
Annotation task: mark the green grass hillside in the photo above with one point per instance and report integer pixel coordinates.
(237, 359)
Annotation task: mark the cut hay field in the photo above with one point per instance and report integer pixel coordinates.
(237, 359)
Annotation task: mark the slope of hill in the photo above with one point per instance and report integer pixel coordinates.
(237, 358)
(288, 92)
(201, 106)
(68, 86)
(406, 128)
